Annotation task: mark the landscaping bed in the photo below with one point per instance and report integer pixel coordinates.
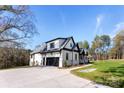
(108, 72)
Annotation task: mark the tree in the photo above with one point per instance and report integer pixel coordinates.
(85, 44)
(118, 46)
(80, 44)
(106, 41)
(16, 24)
(16, 27)
(100, 45)
(96, 46)
(12, 57)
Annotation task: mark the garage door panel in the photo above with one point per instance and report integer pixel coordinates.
(52, 61)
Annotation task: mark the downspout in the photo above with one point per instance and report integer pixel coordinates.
(61, 59)
(72, 56)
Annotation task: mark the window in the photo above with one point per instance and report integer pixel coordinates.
(51, 45)
(70, 44)
(66, 56)
(75, 56)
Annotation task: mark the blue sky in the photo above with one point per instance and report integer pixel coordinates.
(81, 22)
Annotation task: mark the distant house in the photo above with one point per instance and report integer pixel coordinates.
(83, 53)
(56, 52)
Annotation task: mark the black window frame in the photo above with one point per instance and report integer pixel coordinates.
(71, 45)
(67, 56)
(52, 45)
(76, 57)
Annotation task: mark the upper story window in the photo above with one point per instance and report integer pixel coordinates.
(52, 45)
(70, 44)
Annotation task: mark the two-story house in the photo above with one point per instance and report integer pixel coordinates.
(56, 52)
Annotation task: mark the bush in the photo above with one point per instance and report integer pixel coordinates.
(109, 80)
(65, 63)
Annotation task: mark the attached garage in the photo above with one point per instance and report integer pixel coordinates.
(52, 61)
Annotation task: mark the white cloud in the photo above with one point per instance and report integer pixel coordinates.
(98, 28)
(117, 28)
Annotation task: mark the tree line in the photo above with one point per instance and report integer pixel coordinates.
(13, 57)
(104, 47)
(17, 26)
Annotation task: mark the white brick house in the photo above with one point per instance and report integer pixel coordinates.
(56, 52)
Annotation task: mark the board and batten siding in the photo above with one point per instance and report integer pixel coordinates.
(53, 54)
(75, 62)
(36, 58)
(57, 44)
(68, 44)
(71, 57)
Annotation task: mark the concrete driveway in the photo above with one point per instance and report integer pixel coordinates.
(40, 77)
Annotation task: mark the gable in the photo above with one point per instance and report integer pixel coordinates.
(76, 48)
(55, 42)
(69, 44)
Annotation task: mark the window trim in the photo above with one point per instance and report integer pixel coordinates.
(76, 57)
(52, 45)
(71, 45)
(67, 56)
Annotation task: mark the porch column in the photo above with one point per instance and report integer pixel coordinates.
(60, 61)
(45, 61)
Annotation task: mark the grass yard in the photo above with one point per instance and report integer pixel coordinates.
(108, 72)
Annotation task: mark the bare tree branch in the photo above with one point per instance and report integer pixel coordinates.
(16, 23)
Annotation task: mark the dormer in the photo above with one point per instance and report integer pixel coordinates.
(55, 43)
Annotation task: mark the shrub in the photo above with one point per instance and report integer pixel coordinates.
(65, 63)
(111, 81)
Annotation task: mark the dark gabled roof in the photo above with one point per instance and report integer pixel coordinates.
(40, 50)
(83, 50)
(65, 42)
(55, 39)
(76, 45)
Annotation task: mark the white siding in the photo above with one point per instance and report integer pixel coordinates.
(36, 58)
(31, 60)
(68, 44)
(71, 56)
(76, 48)
(75, 62)
(56, 43)
(61, 60)
(54, 54)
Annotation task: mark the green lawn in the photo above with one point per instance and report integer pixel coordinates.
(108, 72)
